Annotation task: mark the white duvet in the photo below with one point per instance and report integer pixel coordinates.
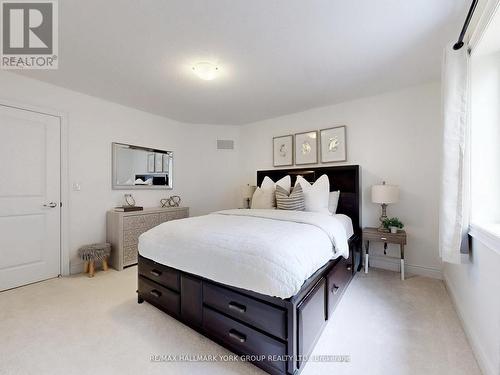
(267, 251)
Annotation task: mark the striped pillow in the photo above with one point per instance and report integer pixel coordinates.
(294, 201)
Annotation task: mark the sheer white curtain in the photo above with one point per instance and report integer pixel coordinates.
(455, 185)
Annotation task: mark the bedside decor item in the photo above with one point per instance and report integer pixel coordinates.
(129, 200)
(374, 235)
(283, 151)
(306, 148)
(97, 252)
(333, 144)
(173, 201)
(247, 193)
(124, 228)
(384, 194)
(393, 224)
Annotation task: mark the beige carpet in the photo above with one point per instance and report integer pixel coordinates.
(94, 326)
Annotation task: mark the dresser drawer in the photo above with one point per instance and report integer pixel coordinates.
(130, 255)
(338, 279)
(144, 222)
(156, 294)
(243, 339)
(258, 314)
(159, 273)
(174, 215)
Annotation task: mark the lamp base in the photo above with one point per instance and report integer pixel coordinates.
(383, 217)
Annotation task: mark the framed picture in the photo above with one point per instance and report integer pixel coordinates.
(151, 163)
(306, 148)
(158, 162)
(283, 150)
(333, 144)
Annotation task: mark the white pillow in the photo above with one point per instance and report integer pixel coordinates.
(316, 196)
(285, 183)
(333, 201)
(263, 198)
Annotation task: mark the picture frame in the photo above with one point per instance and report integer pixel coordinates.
(151, 163)
(333, 146)
(283, 151)
(158, 162)
(306, 148)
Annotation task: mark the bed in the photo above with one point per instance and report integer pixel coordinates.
(252, 298)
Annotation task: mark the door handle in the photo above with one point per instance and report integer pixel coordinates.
(50, 205)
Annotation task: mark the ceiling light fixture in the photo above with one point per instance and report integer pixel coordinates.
(205, 70)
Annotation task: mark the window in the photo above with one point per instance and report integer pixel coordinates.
(485, 131)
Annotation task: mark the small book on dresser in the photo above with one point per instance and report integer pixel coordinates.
(128, 208)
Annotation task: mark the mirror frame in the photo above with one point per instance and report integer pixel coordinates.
(139, 187)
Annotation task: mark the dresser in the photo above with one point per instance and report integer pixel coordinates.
(124, 229)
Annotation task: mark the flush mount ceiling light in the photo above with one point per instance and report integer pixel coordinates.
(205, 70)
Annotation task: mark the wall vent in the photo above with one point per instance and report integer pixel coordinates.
(225, 144)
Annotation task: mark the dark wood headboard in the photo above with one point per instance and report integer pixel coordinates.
(345, 178)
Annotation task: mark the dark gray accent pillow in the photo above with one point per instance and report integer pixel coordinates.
(294, 201)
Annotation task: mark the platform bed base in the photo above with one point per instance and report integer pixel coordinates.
(278, 333)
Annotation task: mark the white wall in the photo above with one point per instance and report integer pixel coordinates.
(475, 290)
(203, 176)
(394, 137)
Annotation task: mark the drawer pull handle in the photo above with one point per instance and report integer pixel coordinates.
(155, 273)
(383, 238)
(335, 288)
(237, 307)
(155, 293)
(234, 334)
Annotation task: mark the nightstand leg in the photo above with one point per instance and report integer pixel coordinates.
(367, 247)
(402, 262)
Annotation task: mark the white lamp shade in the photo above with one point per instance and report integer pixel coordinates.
(247, 191)
(385, 194)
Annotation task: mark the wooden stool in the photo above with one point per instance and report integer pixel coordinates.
(98, 252)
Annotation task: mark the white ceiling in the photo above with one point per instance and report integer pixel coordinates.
(276, 56)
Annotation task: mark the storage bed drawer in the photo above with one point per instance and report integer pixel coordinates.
(158, 295)
(159, 273)
(338, 279)
(243, 339)
(266, 317)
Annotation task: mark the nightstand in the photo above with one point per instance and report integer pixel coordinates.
(374, 235)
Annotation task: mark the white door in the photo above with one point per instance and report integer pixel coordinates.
(29, 197)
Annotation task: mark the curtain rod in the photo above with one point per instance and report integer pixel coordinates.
(460, 43)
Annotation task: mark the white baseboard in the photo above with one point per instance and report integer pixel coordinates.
(391, 264)
(484, 362)
(75, 268)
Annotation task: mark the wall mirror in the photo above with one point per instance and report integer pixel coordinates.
(137, 167)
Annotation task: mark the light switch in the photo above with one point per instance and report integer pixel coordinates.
(77, 186)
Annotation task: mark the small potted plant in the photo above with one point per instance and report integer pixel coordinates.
(393, 224)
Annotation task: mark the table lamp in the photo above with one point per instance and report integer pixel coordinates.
(384, 194)
(247, 193)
